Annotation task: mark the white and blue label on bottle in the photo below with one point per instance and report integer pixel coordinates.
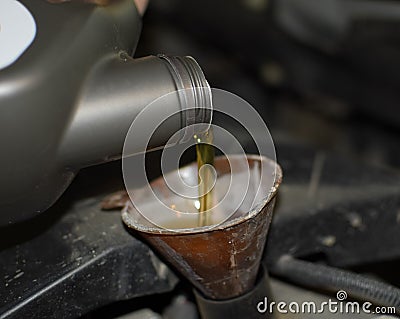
(17, 31)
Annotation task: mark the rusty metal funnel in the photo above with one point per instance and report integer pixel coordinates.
(222, 261)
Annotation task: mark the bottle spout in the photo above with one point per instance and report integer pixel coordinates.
(118, 89)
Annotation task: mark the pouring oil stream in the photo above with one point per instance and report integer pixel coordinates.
(205, 155)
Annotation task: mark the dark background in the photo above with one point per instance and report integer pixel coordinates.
(322, 73)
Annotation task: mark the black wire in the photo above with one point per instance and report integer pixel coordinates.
(333, 279)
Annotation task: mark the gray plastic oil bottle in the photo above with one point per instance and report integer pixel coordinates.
(68, 98)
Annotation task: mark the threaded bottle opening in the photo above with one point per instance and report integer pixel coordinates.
(193, 89)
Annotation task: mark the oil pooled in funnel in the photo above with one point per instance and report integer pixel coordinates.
(232, 190)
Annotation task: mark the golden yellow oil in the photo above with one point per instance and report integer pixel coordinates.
(205, 155)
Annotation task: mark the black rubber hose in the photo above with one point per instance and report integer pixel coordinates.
(325, 277)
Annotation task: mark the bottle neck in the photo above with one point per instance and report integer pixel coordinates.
(118, 90)
(195, 92)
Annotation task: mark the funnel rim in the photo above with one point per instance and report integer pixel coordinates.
(127, 219)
